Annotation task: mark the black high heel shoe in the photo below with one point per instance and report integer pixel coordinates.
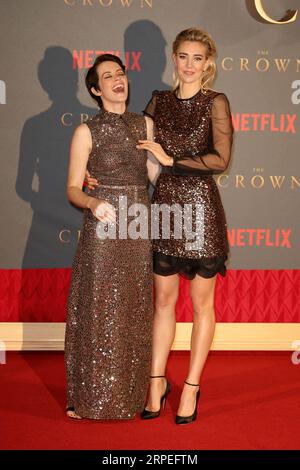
(193, 417)
(146, 414)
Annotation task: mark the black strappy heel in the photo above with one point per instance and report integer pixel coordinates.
(192, 417)
(146, 414)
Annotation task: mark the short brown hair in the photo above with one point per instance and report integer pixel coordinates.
(91, 79)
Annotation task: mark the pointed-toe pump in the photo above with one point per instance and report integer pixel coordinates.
(146, 414)
(192, 417)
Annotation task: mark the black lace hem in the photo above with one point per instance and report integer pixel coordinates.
(166, 265)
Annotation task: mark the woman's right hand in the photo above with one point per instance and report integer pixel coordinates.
(91, 183)
(102, 210)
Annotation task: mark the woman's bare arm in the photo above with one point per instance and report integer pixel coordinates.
(153, 166)
(79, 153)
(81, 146)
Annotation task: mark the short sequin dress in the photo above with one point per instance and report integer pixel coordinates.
(197, 132)
(110, 308)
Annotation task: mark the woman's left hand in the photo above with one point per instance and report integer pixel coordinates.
(157, 151)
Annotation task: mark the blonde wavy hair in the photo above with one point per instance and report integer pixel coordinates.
(198, 35)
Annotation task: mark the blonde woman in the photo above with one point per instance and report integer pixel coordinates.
(193, 139)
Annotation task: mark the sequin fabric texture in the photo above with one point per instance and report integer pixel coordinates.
(110, 306)
(184, 129)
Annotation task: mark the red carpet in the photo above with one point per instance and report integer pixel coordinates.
(250, 400)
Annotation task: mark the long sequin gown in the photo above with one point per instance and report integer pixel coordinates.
(197, 132)
(110, 308)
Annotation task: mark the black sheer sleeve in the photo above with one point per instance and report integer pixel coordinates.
(216, 160)
(150, 108)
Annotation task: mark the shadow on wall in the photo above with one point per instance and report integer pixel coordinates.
(44, 147)
(43, 164)
(146, 37)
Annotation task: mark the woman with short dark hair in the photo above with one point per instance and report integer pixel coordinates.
(109, 319)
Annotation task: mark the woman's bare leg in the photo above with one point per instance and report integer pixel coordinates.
(202, 295)
(166, 294)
